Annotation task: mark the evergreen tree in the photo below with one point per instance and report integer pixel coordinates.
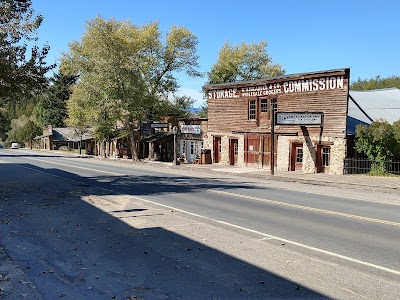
(51, 108)
(376, 83)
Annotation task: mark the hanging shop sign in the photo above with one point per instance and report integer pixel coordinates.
(289, 118)
(193, 129)
(286, 87)
(159, 125)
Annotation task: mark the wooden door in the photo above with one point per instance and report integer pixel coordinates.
(323, 158)
(233, 151)
(296, 157)
(217, 149)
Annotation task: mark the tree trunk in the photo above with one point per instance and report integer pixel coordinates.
(102, 149)
(133, 141)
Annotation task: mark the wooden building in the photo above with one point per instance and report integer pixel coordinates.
(190, 138)
(300, 118)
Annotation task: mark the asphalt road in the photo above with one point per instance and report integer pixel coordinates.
(81, 228)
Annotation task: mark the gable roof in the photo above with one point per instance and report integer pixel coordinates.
(372, 105)
(69, 134)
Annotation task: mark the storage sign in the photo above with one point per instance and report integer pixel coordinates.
(286, 118)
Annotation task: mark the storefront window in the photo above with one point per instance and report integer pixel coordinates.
(326, 156)
(299, 155)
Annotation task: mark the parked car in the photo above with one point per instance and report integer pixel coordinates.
(14, 146)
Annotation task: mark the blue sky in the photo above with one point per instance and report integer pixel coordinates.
(302, 36)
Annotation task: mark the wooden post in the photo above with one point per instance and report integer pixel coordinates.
(272, 160)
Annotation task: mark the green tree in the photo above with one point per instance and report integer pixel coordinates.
(243, 62)
(126, 70)
(28, 131)
(22, 68)
(51, 109)
(396, 132)
(378, 142)
(4, 125)
(179, 106)
(14, 134)
(376, 83)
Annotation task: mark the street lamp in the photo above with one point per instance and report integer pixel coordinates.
(175, 131)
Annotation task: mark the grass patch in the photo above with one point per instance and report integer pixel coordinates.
(381, 173)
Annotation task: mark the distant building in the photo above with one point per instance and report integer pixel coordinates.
(65, 138)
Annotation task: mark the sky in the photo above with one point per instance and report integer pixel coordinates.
(302, 36)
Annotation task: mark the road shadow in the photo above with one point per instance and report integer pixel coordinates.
(3, 153)
(71, 243)
(139, 185)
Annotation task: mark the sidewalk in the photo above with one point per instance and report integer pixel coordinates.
(365, 182)
(382, 184)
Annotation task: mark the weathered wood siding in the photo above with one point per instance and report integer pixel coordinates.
(230, 114)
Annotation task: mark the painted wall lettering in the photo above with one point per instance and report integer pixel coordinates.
(292, 86)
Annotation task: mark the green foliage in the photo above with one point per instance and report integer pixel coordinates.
(376, 83)
(179, 106)
(243, 62)
(23, 130)
(203, 113)
(4, 125)
(125, 71)
(27, 132)
(51, 108)
(22, 69)
(379, 141)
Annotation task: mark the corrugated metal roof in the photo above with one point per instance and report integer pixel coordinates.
(375, 105)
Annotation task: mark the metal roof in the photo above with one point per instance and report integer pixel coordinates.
(375, 105)
(372, 105)
(69, 134)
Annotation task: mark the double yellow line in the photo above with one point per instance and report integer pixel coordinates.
(302, 207)
(329, 212)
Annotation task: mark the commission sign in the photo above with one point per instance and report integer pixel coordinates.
(286, 118)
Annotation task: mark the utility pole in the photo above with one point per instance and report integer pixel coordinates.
(272, 159)
(175, 131)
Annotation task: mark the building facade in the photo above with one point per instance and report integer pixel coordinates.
(288, 123)
(190, 139)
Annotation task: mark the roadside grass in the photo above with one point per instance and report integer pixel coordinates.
(381, 173)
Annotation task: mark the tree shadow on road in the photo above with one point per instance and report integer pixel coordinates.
(73, 242)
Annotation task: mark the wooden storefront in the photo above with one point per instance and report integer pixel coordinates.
(242, 130)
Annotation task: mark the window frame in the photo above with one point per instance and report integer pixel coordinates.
(264, 105)
(326, 156)
(252, 110)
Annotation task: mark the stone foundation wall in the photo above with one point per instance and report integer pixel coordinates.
(338, 153)
(225, 138)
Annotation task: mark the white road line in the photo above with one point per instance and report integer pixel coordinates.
(82, 168)
(269, 236)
